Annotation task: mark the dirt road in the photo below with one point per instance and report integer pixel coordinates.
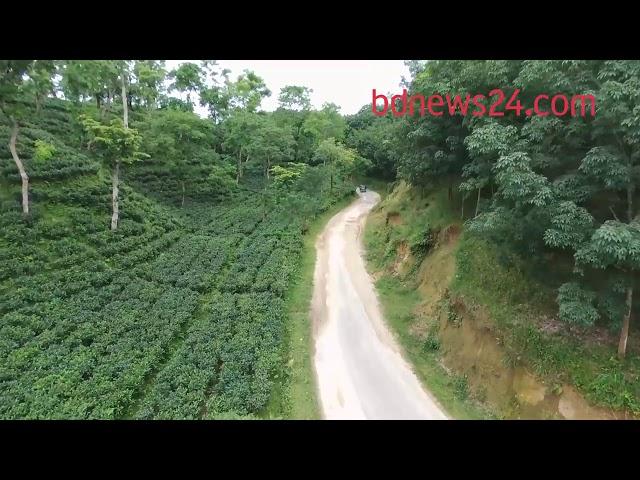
(360, 371)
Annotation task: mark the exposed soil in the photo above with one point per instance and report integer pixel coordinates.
(471, 347)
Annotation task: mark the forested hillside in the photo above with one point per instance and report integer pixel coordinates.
(548, 207)
(146, 253)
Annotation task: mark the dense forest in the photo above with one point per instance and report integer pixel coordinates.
(146, 252)
(559, 191)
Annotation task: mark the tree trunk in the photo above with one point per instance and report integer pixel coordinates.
(183, 192)
(630, 202)
(462, 210)
(239, 167)
(297, 147)
(450, 191)
(478, 201)
(23, 173)
(125, 109)
(115, 177)
(264, 203)
(624, 334)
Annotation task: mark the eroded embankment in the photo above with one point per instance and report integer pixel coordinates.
(460, 334)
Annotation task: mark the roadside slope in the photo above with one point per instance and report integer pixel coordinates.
(480, 331)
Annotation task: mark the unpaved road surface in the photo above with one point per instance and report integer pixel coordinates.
(361, 373)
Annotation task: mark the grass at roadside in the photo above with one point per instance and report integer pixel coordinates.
(295, 397)
(399, 302)
(399, 299)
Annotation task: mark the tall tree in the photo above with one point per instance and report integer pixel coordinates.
(12, 86)
(149, 79)
(335, 158)
(295, 105)
(39, 82)
(176, 137)
(97, 79)
(325, 123)
(247, 92)
(114, 144)
(238, 137)
(187, 78)
(293, 97)
(271, 143)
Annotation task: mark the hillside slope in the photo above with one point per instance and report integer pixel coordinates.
(180, 313)
(480, 329)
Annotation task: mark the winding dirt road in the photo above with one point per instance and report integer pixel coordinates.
(361, 373)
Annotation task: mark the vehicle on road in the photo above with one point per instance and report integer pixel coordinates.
(362, 188)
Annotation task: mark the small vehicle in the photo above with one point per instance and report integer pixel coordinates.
(362, 188)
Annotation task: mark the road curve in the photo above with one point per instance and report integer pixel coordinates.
(360, 371)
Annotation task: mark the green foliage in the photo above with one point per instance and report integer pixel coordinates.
(113, 142)
(325, 124)
(551, 189)
(432, 344)
(461, 386)
(284, 176)
(43, 151)
(180, 312)
(149, 76)
(612, 244)
(293, 97)
(422, 241)
(576, 305)
(571, 226)
(187, 78)
(247, 92)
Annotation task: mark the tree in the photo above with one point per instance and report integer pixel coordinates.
(485, 144)
(39, 82)
(216, 96)
(149, 79)
(216, 99)
(335, 158)
(12, 87)
(324, 124)
(187, 78)
(114, 143)
(247, 92)
(374, 138)
(238, 137)
(270, 143)
(177, 137)
(615, 245)
(615, 167)
(293, 97)
(97, 79)
(295, 184)
(295, 105)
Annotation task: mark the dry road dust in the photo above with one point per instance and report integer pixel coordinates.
(361, 373)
